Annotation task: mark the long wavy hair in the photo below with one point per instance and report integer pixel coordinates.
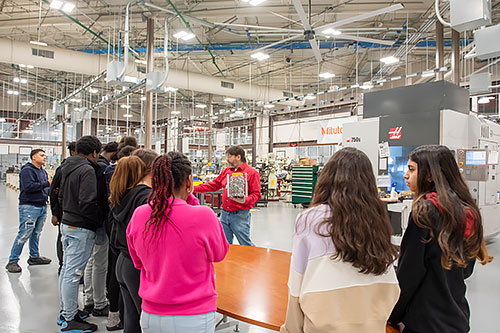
(437, 171)
(128, 173)
(359, 225)
(170, 172)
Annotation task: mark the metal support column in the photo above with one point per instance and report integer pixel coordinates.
(254, 142)
(148, 112)
(455, 56)
(271, 124)
(439, 50)
(64, 131)
(210, 128)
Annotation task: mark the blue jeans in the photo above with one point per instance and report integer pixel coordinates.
(31, 220)
(77, 248)
(237, 223)
(203, 323)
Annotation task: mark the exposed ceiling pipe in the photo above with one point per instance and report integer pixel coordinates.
(126, 43)
(436, 9)
(412, 43)
(14, 52)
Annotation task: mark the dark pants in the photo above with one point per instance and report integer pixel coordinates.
(115, 301)
(59, 246)
(128, 278)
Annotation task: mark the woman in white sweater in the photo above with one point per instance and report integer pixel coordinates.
(341, 275)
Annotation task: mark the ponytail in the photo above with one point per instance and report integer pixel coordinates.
(163, 189)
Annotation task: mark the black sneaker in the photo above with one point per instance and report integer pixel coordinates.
(13, 267)
(88, 308)
(80, 316)
(39, 261)
(101, 312)
(78, 326)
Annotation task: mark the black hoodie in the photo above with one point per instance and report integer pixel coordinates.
(78, 194)
(122, 214)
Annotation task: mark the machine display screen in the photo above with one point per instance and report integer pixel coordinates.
(475, 157)
(397, 165)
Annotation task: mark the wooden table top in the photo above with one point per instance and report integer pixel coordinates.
(251, 284)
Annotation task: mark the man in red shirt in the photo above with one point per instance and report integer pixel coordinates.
(235, 216)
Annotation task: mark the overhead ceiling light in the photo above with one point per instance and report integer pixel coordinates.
(93, 90)
(428, 73)
(389, 60)
(260, 56)
(171, 89)
(26, 103)
(229, 100)
(76, 109)
(35, 42)
(239, 112)
(367, 85)
(22, 65)
(68, 7)
(143, 62)
(200, 106)
(127, 115)
(30, 66)
(309, 97)
(483, 100)
(143, 98)
(125, 106)
(256, 2)
(326, 75)
(12, 92)
(175, 112)
(331, 31)
(76, 100)
(56, 4)
(16, 80)
(24, 81)
(269, 106)
(184, 35)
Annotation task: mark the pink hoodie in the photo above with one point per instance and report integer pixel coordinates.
(177, 275)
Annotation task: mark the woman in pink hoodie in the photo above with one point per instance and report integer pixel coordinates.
(173, 242)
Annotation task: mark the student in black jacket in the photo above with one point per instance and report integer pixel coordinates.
(94, 287)
(443, 239)
(55, 207)
(80, 220)
(129, 188)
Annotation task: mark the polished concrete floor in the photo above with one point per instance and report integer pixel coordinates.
(29, 301)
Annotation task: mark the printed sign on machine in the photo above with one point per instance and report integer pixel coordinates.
(331, 131)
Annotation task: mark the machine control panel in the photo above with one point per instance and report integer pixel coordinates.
(473, 164)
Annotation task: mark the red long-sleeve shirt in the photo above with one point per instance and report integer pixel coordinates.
(253, 179)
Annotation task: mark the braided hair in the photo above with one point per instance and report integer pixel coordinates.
(170, 172)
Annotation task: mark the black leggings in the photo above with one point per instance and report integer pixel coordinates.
(115, 300)
(128, 278)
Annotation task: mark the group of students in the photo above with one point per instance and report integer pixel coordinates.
(136, 209)
(162, 245)
(342, 276)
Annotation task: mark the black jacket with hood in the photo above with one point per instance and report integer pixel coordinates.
(121, 215)
(78, 194)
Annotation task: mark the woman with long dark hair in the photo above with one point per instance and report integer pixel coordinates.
(174, 243)
(341, 275)
(130, 188)
(443, 239)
